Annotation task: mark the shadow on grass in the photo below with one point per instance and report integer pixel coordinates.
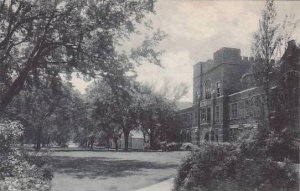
(101, 167)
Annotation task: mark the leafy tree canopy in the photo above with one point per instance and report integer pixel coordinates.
(50, 37)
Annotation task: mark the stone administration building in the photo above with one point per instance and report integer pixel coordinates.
(225, 101)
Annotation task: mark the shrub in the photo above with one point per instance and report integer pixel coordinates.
(224, 167)
(282, 145)
(173, 146)
(9, 133)
(265, 174)
(183, 172)
(204, 165)
(276, 145)
(18, 170)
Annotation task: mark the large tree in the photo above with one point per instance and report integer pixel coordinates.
(277, 74)
(266, 49)
(44, 109)
(115, 108)
(156, 116)
(63, 36)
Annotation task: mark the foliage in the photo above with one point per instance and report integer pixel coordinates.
(46, 111)
(283, 145)
(49, 38)
(262, 159)
(203, 166)
(268, 44)
(19, 171)
(157, 117)
(119, 110)
(109, 109)
(172, 146)
(9, 133)
(269, 144)
(264, 174)
(44, 42)
(225, 167)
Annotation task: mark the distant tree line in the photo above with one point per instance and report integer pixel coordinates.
(118, 111)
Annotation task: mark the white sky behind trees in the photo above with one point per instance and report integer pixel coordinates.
(196, 29)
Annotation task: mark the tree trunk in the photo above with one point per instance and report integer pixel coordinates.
(15, 88)
(151, 140)
(48, 141)
(107, 144)
(38, 139)
(116, 143)
(19, 82)
(92, 139)
(22, 140)
(126, 138)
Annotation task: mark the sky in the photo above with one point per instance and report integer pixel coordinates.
(196, 29)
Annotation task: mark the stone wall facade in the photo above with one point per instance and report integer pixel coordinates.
(223, 104)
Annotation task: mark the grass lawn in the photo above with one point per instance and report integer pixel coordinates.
(112, 171)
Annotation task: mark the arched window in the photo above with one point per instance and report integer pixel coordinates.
(207, 89)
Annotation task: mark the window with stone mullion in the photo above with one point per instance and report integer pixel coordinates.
(207, 89)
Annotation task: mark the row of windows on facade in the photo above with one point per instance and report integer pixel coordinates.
(253, 107)
(205, 114)
(208, 89)
(250, 107)
(242, 109)
(246, 108)
(212, 135)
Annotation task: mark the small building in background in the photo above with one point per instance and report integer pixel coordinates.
(136, 141)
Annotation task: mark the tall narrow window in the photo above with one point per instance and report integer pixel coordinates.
(203, 115)
(208, 114)
(217, 135)
(218, 89)
(233, 111)
(217, 113)
(207, 89)
(241, 109)
(257, 106)
(247, 108)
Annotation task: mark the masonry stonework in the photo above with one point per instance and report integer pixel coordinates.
(223, 105)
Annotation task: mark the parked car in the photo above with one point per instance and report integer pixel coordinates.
(172, 146)
(163, 145)
(188, 146)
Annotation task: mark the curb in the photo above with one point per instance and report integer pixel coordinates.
(166, 185)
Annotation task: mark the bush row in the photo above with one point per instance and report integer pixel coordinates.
(225, 167)
(20, 170)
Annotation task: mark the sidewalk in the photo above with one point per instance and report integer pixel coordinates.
(166, 185)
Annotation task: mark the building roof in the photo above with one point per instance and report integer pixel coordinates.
(136, 134)
(183, 105)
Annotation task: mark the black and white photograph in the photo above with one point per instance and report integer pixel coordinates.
(149, 95)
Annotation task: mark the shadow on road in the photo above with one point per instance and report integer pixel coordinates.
(101, 167)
